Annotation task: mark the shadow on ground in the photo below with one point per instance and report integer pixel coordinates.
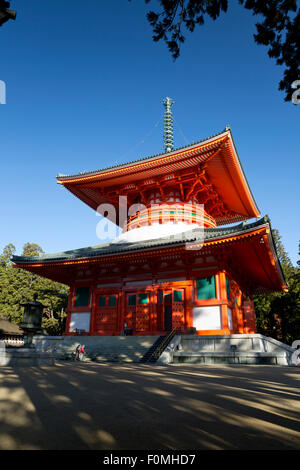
(135, 406)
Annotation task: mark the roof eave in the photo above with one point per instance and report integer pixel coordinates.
(63, 179)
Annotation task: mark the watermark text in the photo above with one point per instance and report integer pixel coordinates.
(2, 92)
(296, 94)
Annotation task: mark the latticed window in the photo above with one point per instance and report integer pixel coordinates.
(112, 301)
(178, 297)
(143, 299)
(132, 299)
(105, 300)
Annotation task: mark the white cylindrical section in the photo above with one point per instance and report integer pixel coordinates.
(152, 232)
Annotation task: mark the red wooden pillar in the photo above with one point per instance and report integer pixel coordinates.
(239, 315)
(119, 312)
(93, 309)
(189, 306)
(154, 313)
(188, 292)
(159, 308)
(121, 308)
(249, 317)
(69, 308)
(223, 298)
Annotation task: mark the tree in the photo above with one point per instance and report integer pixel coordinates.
(279, 28)
(5, 13)
(17, 286)
(278, 313)
(6, 255)
(32, 249)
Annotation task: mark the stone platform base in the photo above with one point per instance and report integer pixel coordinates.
(183, 348)
(24, 357)
(231, 358)
(227, 349)
(97, 348)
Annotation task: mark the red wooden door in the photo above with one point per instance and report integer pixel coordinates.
(106, 312)
(178, 306)
(137, 314)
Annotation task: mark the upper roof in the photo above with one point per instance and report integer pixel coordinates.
(83, 174)
(216, 154)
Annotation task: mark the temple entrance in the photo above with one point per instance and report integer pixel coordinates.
(168, 311)
(171, 308)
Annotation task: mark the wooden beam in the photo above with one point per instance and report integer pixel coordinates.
(142, 193)
(192, 190)
(181, 191)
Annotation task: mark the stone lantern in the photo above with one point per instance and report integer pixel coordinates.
(32, 320)
(28, 355)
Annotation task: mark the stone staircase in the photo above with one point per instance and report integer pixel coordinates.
(98, 348)
(154, 353)
(149, 356)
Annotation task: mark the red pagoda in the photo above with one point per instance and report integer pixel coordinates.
(186, 257)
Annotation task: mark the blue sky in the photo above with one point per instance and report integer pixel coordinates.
(84, 91)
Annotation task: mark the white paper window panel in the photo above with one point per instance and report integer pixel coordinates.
(229, 318)
(207, 318)
(80, 321)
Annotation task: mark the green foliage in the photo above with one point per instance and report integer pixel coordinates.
(278, 313)
(17, 286)
(279, 28)
(32, 249)
(7, 253)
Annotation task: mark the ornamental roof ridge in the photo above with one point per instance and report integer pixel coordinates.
(85, 173)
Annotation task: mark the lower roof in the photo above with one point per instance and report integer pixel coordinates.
(105, 249)
(257, 258)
